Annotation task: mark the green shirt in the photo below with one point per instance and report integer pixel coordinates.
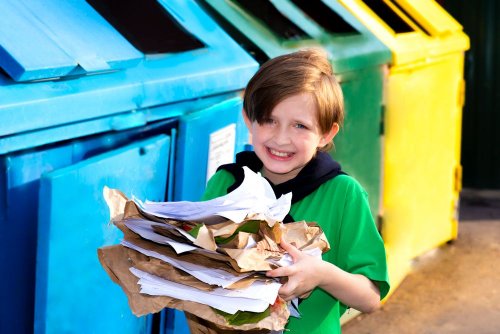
(340, 206)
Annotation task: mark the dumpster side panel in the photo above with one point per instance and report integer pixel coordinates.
(18, 220)
(207, 139)
(74, 293)
(358, 145)
(422, 155)
(19, 185)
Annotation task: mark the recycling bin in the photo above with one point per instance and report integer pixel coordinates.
(425, 96)
(271, 28)
(89, 100)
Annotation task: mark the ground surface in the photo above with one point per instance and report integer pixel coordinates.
(454, 289)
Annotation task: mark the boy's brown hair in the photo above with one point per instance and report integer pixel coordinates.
(305, 71)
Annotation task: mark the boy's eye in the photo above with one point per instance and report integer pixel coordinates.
(300, 126)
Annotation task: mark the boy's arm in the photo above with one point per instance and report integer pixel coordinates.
(309, 272)
(359, 276)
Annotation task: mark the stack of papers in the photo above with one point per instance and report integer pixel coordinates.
(253, 198)
(208, 258)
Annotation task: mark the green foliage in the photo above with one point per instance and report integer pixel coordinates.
(251, 226)
(244, 317)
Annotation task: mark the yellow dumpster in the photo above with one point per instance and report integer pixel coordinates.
(424, 99)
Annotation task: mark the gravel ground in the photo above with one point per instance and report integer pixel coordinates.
(453, 289)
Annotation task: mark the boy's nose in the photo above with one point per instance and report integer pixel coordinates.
(282, 136)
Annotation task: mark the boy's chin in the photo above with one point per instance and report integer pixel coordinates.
(279, 171)
(280, 175)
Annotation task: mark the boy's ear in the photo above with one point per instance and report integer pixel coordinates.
(248, 122)
(328, 137)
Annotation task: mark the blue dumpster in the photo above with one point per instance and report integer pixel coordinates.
(86, 103)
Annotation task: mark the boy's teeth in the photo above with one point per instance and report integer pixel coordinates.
(279, 154)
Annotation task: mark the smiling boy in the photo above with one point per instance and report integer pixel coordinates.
(293, 108)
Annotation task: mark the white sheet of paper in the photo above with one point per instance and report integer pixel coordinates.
(286, 260)
(221, 299)
(259, 290)
(210, 276)
(145, 229)
(253, 196)
(293, 307)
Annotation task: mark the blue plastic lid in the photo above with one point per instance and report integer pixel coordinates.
(51, 38)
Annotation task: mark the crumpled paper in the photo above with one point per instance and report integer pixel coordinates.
(229, 246)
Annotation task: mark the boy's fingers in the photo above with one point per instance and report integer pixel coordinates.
(294, 252)
(287, 291)
(278, 272)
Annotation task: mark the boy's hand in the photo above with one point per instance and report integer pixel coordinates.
(303, 275)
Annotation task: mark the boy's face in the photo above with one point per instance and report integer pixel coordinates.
(287, 141)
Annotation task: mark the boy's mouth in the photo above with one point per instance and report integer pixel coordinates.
(279, 154)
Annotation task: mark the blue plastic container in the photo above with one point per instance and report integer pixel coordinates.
(97, 108)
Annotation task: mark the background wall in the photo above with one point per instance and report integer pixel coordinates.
(481, 118)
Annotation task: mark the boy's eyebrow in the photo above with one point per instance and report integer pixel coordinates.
(307, 119)
(307, 123)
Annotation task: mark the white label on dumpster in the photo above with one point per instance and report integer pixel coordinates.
(221, 148)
